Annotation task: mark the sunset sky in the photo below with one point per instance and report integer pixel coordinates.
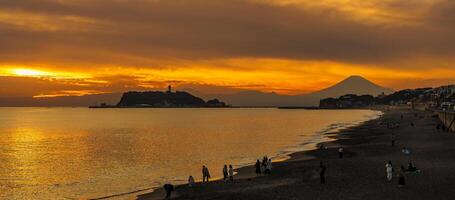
(76, 47)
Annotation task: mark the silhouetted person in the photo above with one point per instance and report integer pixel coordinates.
(268, 168)
(258, 167)
(322, 172)
(231, 173)
(401, 116)
(168, 188)
(412, 124)
(264, 160)
(190, 181)
(340, 152)
(225, 173)
(401, 174)
(264, 164)
(205, 174)
(438, 127)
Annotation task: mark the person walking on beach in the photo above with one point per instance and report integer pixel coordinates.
(340, 152)
(258, 167)
(389, 170)
(190, 181)
(322, 172)
(231, 173)
(401, 174)
(392, 139)
(225, 173)
(168, 188)
(205, 174)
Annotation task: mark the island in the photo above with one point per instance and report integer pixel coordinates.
(160, 99)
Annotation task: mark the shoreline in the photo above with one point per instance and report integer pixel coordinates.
(359, 175)
(247, 172)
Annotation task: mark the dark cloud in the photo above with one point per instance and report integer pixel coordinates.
(137, 33)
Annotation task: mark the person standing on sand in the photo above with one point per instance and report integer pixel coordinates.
(205, 174)
(168, 188)
(264, 164)
(389, 170)
(225, 173)
(401, 173)
(231, 173)
(268, 168)
(322, 172)
(340, 152)
(258, 167)
(190, 181)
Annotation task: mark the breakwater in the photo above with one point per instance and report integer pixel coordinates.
(448, 119)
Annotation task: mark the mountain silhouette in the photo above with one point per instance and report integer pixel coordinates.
(351, 85)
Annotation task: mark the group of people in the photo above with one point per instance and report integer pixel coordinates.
(228, 174)
(205, 177)
(264, 167)
(401, 172)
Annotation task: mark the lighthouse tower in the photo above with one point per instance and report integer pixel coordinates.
(169, 88)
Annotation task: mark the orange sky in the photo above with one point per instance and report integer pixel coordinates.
(54, 48)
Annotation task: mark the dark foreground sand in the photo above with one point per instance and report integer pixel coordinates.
(359, 175)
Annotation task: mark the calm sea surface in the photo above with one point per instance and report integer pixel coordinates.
(58, 153)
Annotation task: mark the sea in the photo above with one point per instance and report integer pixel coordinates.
(82, 153)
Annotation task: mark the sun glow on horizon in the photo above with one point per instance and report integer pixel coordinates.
(29, 72)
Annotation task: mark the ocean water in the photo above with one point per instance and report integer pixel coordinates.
(81, 153)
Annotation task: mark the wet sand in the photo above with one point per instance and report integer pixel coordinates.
(359, 175)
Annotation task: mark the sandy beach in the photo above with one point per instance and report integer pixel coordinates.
(360, 174)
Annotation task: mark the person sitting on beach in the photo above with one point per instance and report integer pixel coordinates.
(225, 173)
(258, 167)
(231, 173)
(268, 168)
(190, 181)
(168, 188)
(405, 151)
(401, 174)
(205, 174)
(389, 170)
(340, 151)
(412, 168)
(322, 172)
